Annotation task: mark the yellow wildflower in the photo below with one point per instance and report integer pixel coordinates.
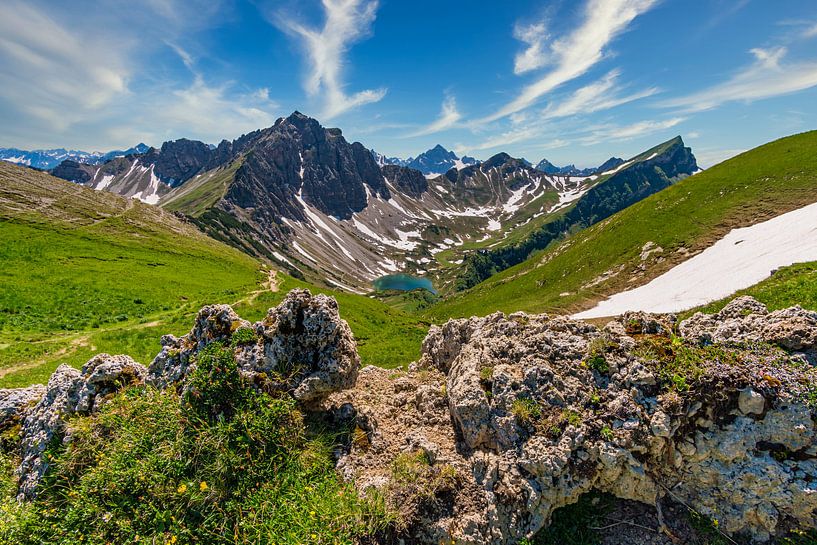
(182, 488)
(203, 486)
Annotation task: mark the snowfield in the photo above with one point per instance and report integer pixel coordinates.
(739, 260)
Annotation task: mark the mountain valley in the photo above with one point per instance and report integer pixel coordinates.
(303, 198)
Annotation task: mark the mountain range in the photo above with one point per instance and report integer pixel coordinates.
(301, 196)
(47, 159)
(435, 161)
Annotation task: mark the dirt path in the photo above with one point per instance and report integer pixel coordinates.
(272, 285)
(75, 341)
(81, 341)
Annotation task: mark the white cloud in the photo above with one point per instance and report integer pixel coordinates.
(768, 76)
(81, 82)
(449, 116)
(52, 74)
(811, 32)
(535, 55)
(574, 54)
(606, 133)
(213, 112)
(347, 21)
(507, 138)
(600, 95)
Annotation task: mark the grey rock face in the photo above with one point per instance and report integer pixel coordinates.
(303, 340)
(14, 401)
(305, 335)
(747, 320)
(529, 423)
(214, 323)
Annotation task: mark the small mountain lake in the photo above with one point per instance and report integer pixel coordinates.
(403, 282)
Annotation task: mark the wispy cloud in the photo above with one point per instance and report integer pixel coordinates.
(212, 111)
(768, 76)
(52, 74)
(535, 55)
(606, 133)
(521, 134)
(603, 94)
(810, 32)
(347, 22)
(449, 117)
(81, 81)
(575, 53)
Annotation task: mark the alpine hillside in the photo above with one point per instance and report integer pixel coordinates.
(653, 236)
(302, 197)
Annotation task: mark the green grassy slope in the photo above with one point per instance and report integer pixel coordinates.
(198, 195)
(635, 180)
(83, 272)
(788, 286)
(689, 216)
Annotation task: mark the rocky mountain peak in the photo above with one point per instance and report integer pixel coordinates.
(438, 160)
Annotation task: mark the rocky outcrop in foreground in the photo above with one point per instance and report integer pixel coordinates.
(507, 418)
(504, 419)
(301, 347)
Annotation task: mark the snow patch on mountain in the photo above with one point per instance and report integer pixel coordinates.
(739, 260)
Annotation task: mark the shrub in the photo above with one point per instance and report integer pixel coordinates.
(598, 363)
(214, 387)
(526, 410)
(242, 336)
(596, 359)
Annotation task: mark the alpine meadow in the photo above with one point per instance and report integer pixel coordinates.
(309, 272)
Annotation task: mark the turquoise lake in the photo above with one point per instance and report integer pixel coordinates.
(403, 282)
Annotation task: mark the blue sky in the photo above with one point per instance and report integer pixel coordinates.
(575, 81)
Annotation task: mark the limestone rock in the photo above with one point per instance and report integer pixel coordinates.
(303, 341)
(305, 335)
(68, 392)
(14, 401)
(747, 320)
(751, 402)
(529, 426)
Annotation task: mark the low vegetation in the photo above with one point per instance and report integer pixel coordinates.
(88, 272)
(222, 464)
(606, 258)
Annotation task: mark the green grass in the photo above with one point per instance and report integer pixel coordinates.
(200, 194)
(226, 465)
(692, 214)
(87, 272)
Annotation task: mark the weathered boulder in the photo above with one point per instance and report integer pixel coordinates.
(305, 339)
(303, 342)
(530, 412)
(214, 323)
(14, 401)
(747, 320)
(68, 392)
